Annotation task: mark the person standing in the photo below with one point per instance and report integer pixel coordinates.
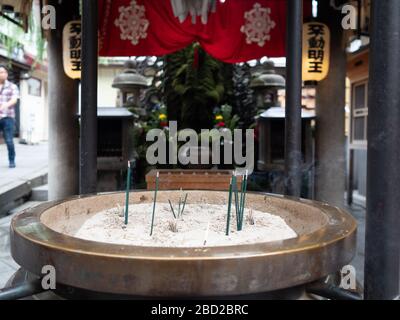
(9, 95)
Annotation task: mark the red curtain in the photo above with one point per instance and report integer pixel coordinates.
(239, 30)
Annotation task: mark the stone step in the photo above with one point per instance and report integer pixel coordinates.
(19, 191)
(40, 193)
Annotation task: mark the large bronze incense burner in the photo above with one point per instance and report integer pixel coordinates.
(42, 236)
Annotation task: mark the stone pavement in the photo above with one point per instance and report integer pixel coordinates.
(32, 166)
(29, 159)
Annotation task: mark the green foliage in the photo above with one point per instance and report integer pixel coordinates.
(231, 120)
(172, 98)
(194, 87)
(9, 44)
(13, 37)
(243, 97)
(143, 123)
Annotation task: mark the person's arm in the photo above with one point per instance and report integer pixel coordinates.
(9, 103)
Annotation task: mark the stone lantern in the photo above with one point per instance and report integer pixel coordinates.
(129, 82)
(266, 83)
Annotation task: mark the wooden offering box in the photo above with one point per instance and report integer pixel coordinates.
(176, 179)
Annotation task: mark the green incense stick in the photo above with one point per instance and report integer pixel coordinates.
(184, 203)
(154, 204)
(243, 200)
(179, 207)
(228, 220)
(237, 201)
(172, 209)
(128, 186)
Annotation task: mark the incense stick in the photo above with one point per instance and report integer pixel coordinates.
(243, 200)
(128, 186)
(154, 205)
(172, 209)
(184, 204)
(228, 220)
(237, 205)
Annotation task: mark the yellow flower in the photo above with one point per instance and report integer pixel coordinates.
(162, 117)
(219, 117)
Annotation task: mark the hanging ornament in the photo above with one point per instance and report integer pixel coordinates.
(258, 25)
(132, 22)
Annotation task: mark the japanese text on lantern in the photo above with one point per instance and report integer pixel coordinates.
(316, 51)
(72, 49)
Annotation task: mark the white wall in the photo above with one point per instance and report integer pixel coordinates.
(33, 112)
(106, 94)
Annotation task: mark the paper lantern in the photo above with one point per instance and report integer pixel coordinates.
(316, 51)
(72, 49)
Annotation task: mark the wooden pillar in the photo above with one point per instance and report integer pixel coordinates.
(330, 173)
(63, 176)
